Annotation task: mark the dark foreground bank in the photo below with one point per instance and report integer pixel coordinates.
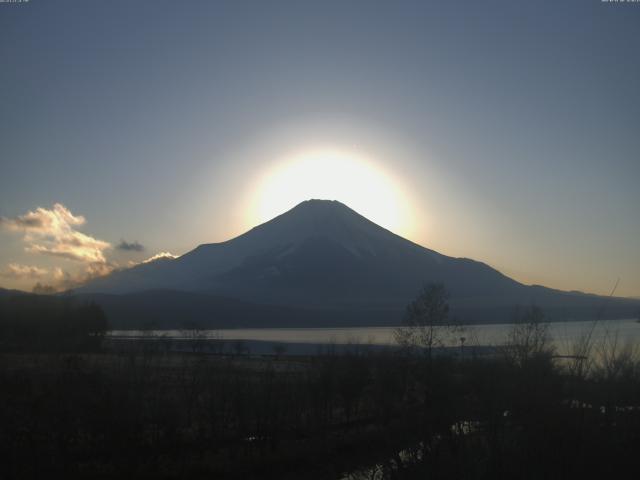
(78, 404)
(154, 414)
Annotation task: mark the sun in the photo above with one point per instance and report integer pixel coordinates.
(349, 178)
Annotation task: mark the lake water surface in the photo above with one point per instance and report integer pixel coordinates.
(564, 334)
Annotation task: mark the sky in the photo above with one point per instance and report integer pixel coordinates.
(503, 131)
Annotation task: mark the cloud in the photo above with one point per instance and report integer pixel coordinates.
(17, 271)
(53, 232)
(159, 256)
(130, 246)
(94, 270)
(62, 280)
(61, 277)
(43, 220)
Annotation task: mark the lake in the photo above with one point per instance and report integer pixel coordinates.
(564, 334)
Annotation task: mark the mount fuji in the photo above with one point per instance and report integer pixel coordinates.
(321, 264)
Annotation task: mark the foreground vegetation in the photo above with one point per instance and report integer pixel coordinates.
(43, 323)
(73, 409)
(148, 414)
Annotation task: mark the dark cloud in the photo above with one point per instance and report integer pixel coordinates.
(134, 246)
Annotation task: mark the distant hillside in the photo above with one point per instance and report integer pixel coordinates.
(47, 323)
(163, 309)
(9, 293)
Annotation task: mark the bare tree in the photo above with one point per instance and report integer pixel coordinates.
(529, 338)
(195, 335)
(581, 361)
(426, 321)
(279, 349)
(615, 357)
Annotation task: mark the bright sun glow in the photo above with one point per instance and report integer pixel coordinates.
(348, 178)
